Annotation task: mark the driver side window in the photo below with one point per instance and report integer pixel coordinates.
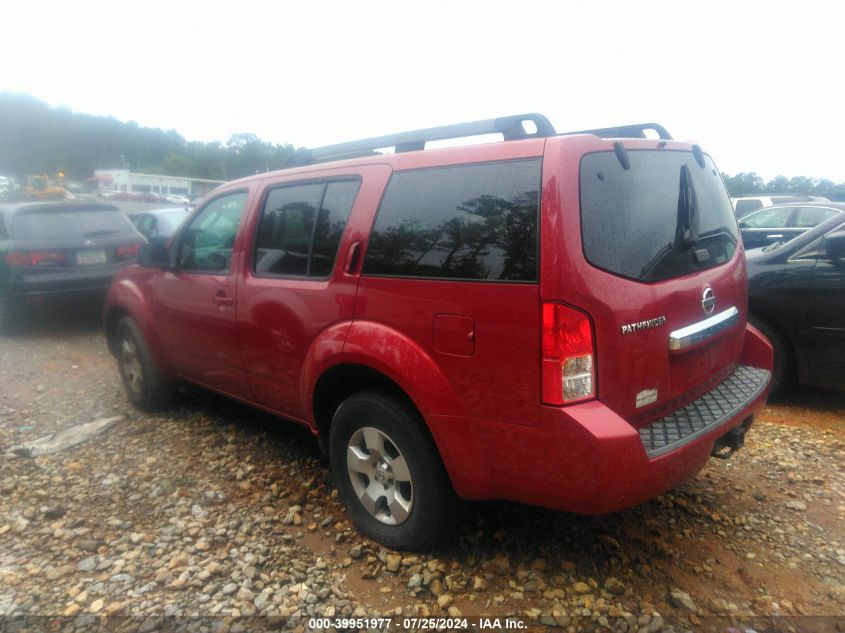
(206, 243)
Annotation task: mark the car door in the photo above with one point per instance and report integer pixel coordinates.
(826, 320)
(766, 226)
(195, 300)
(297, 283)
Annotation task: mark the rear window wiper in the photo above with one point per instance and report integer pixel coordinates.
(686, 227)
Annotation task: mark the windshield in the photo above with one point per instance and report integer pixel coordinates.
(664, 217)
(62, 226)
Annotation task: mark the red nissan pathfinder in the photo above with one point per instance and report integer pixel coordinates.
(555, 319)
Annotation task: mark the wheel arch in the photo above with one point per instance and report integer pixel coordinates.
(126, 300)
(341, 381)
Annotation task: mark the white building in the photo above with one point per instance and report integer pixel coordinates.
(123, 180)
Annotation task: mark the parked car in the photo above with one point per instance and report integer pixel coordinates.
(159, 223)
(174, 198)
(149, 196)
(743, 205)
(129, 196)
(57, 250)
(782, 223)
(796, 294)
(444, 333)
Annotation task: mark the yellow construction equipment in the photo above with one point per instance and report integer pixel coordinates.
(45, 187)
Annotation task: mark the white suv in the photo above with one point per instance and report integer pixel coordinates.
(743, 205)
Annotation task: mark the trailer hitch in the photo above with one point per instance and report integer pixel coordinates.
(731, 441)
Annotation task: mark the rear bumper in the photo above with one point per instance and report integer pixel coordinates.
(61, 283)
(585, 458)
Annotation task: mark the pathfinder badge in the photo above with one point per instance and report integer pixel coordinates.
(630, 328)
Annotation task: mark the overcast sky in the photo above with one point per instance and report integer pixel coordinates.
(759, 84)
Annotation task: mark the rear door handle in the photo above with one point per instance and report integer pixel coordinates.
(352, 258)
(776, 236)
(222, 300)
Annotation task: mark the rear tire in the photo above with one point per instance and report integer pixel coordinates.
(782, 367)
(145, 385)
(389, 473)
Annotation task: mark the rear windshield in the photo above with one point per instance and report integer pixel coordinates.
(663, 217)
(68, 225)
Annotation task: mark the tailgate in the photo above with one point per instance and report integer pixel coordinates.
(658, 266)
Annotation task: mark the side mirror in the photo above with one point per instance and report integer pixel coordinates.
(153, 255)
(834, 246)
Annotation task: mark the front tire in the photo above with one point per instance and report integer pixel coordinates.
(389, 473)
(146, 387)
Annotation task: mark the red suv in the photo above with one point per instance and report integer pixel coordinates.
(552, 319)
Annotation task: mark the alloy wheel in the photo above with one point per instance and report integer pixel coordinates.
(380, 476)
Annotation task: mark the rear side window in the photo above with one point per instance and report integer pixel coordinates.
(809, 217)
(294, 239)
(474, 222)
(68, 225)
(663, 217)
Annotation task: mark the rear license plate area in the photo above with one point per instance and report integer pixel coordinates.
(90, 258)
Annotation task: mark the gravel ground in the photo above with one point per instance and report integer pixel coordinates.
(213, 509)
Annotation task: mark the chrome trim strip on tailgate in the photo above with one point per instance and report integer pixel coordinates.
(703, 330)
(707, 412)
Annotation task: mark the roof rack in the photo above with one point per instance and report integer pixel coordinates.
(635, 130)
(510, 127)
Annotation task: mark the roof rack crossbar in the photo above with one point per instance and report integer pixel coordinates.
(635, 130)
(510, 127)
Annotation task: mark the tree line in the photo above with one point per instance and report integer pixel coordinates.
(36, 138)
(749, 184)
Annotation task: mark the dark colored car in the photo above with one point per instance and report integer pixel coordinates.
(159, 223)
(796, 296)
(552, 319)
(784, 222)
(55, 250)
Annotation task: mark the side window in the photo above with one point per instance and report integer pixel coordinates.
(809, 217)
(294, 239)
(464, 222)
(146, 225)
(206, 244)
(774, 218)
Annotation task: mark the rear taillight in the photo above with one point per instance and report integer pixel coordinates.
(130, 250)
(35, 258)
(568, 357)
(18, 259)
